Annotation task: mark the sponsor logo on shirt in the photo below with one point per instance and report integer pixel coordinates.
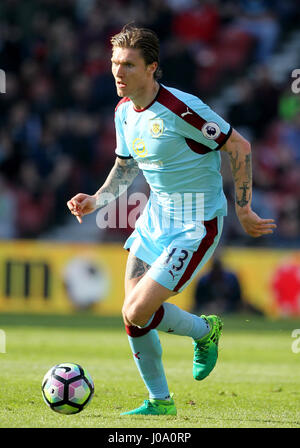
(146, 164)
(139, 147)
(211, 130)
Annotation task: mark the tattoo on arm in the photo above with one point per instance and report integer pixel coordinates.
(235, 165)
(135, 267)
(119, 179)
(243, 200)
(248, 166)
(242, 175)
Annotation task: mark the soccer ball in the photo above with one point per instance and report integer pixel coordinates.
(67, 388)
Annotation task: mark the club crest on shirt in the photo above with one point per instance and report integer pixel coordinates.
(211, 130)
(156, 126)
(139, 147)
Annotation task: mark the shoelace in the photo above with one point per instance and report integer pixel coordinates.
(202, 352)
(202, 349)
(148, 405)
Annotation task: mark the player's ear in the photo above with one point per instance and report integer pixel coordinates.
(152, 67)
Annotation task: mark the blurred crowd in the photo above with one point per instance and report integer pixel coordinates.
(57, 132)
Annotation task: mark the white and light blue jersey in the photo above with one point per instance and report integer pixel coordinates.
(176, 142)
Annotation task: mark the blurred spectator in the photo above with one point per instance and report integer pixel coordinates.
(181, 5)
(177, 54)
(245, 114)
(199, 23)
(218, 291)
(8, 208)
(258, 19)
(256, 103)
(35, 203)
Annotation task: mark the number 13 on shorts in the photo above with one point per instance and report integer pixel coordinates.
(179, 260)
(170, 266)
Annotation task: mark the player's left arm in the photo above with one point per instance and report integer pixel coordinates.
(239, 151)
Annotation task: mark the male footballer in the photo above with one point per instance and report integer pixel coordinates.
(175, 139)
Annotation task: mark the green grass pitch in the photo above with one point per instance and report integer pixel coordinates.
(256, 383)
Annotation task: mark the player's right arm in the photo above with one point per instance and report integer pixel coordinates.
(119, 179)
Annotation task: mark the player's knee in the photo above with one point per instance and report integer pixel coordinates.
(135, 315)
(125, 318)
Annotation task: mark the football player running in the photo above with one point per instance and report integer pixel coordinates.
(175, 139)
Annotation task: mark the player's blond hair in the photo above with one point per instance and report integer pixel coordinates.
(142, 39)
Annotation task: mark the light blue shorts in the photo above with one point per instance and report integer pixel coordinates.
(175, 254)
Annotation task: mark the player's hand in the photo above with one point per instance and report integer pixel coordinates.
(253, 224)
(82, 204)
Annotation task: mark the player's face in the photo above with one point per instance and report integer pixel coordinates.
(131, 73)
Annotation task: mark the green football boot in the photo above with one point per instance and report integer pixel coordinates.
(154, 407)
(206, 349)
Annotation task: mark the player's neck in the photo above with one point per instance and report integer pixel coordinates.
(146, 96)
